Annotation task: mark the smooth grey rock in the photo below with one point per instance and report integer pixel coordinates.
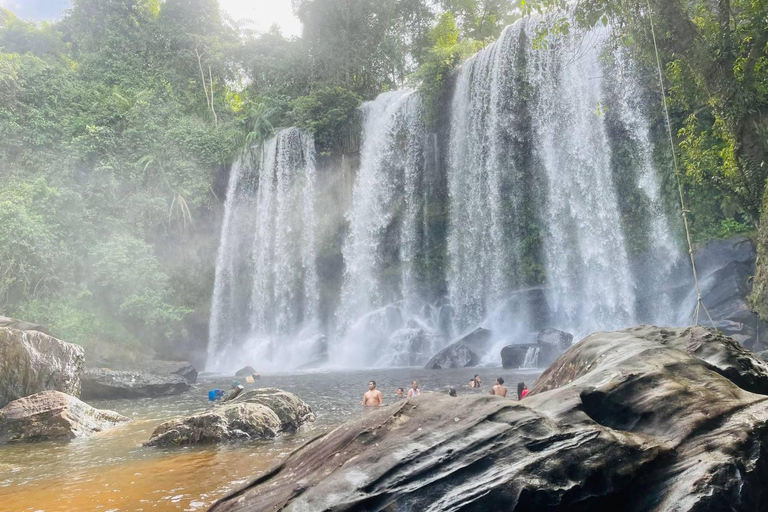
(32, 361)
(646, 419)
(52, 415)
(259, 413)
(411, 346)
(513, 356)
(100, 383)
(245, 372)
(463, 353)
(182, 368)
(552, 344)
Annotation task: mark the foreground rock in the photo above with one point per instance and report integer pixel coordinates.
(464, 353)
(32, 361)
(645, 419)
(101, 383)
(255, 414)
(52, 415)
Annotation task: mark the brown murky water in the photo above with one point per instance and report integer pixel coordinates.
(111, 471)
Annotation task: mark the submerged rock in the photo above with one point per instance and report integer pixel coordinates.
(464, 353)
(52, 415)
(258, 413)
(104, 383)
(645, 419)
(32, 361)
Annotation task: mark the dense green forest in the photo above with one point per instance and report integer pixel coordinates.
(118, 125)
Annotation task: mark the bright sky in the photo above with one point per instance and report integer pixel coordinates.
(260, 13)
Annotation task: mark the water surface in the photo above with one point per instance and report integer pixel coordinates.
(112, 471)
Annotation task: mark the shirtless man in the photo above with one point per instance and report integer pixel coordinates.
(414, 391)
(372, 397)
(499, 388)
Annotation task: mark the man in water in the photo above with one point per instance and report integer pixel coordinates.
(452, 392)
(499, 388)
(400, 393)
(414, 391)
(475, 381)
(372, 397)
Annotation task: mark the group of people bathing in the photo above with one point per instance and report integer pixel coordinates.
(374, 398)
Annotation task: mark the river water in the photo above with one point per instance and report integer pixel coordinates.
(112, 471)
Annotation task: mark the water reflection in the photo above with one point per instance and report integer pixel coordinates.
(111, 471)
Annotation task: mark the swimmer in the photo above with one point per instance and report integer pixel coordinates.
(400, 393)
(372, 397)
(414, 391)
(499, 388)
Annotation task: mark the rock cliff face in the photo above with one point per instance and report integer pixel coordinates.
(52, 415)
(32, 361)
(645, 419)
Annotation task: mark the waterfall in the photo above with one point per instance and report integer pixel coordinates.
(266, 288)
(532, 183)
(535, 202)
(531, 360)
(378, 321)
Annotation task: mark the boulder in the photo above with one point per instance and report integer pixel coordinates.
(514, 356)
(645, 419)
(182, 368)
(52, 415)
(411, 346)
(99, 383)
(256, 414)
(32, 361)
(552, 343)
(245, 372)
(463, 353)
(290, 409)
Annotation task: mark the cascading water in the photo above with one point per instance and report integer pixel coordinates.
(532, 184)
(543, 210)
(381, 319)
(531, 360)
(266, 293)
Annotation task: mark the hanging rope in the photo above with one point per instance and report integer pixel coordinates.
(699, 304)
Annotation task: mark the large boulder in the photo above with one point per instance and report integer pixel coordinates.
(463, 353)
(101, 383)
(245, 372)
(52, 415)
(411, 346)
(645, 419)
(516, 356)
(256, 414)
(552, 343)
(289, 408)
(32, 361)
(181, 368)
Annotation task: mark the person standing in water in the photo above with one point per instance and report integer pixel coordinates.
(452, 392)
(520, 387)
(400, 393)
(372, 397)
(414, 391)
(523, 392)
(499, 388)
(475, 381)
